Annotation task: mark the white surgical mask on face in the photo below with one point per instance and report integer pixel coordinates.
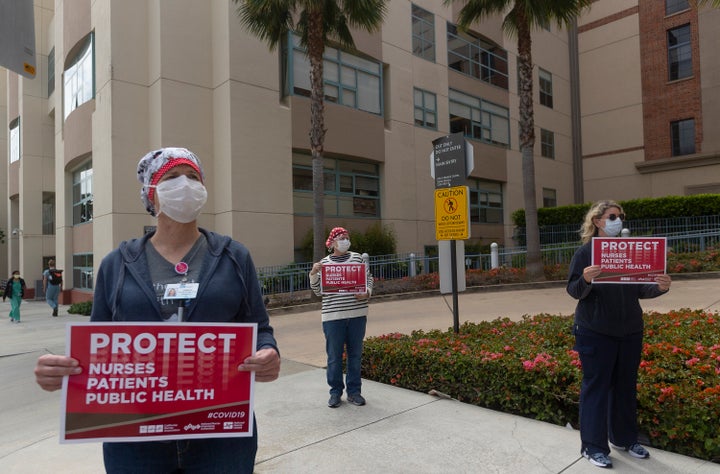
(343, 245)
(613, 228)
(181, 198)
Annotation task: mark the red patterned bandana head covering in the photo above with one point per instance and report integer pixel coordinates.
(334, 235)
(155, 164)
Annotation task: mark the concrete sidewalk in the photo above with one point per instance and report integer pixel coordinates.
(398, 431)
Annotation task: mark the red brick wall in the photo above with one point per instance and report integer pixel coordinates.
(665, 101)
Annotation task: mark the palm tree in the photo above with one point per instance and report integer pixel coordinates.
(521, 16)
(317, 22)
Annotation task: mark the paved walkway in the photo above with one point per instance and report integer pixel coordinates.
(398, 431)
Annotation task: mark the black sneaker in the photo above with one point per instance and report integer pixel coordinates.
(54, 312)
(356, 399)
(635, 450)
(334, 401)
(598, 459)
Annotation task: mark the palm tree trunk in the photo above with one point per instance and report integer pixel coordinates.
(316, 47)
(534, 265)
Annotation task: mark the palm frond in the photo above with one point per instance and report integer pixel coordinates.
(268, 20)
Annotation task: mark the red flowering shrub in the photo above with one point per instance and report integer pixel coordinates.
(529, 368)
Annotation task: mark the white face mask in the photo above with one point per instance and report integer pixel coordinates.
(613, 228)
(181, 198)
(342, 245)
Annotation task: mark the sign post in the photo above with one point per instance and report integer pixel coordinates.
(451, 163)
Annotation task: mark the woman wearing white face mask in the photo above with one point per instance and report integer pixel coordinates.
(135, 283)
(608, 328)
(344, 318)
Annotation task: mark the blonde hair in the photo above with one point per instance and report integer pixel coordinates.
(589, 229)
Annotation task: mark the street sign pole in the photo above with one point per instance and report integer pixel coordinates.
(453, 270)
(450, 164)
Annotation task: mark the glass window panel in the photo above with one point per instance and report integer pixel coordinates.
(345, 206)
(361, 63)
(331, 93)
(346, 184)
(301, 71)
(369, 93)
(302, 179)
(501, 130)
(674, 6)
(331, 205)
(348, 77)
(349, 98)
(78, 78)
(48, 213)
(353, 178)
(330, 71)
(366, 186)
(303, 203)
(460, 110)
(354, 167)
(329, 182)
(365, 207)
(15, 140)
(430, 120)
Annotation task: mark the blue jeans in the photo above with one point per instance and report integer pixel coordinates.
(51, 295)
(199, 456)
(344, 334)
(608, 394)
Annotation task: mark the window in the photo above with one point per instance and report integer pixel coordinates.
(79, 77)
(477, 57)
(549, 197)
(15, 140)
(425, 109)
(352, 188)
(547, 143)
(679, 53)
(51, 72)
(479, 119)
(682, 135)
(486, 201)
(674, 6)
(48, 214)
(83, 271)
(82, 194)
(423, 33)
(348, 80)
(546, 88)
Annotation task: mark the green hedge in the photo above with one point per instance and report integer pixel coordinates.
(645, 208)
(529, 368)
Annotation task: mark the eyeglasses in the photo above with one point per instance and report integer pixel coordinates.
(612, 217)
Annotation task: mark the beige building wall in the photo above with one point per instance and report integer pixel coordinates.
(187, 74)
(25, 180)
(611, 101)
(614, 113)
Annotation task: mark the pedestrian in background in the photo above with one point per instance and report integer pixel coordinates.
(344, 318)
(608, 328)
(52, 285)
(131, 285)
(15, 290)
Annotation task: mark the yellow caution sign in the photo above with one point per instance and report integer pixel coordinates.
(452, 213)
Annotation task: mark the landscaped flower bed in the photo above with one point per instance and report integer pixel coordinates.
(529, 368)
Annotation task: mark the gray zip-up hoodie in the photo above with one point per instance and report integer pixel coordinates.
(229, 290)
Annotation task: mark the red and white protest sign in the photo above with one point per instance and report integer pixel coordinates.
(629, 259)
(148, 381)
(343, 278)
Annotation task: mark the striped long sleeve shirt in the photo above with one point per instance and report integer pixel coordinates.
(341, 306)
